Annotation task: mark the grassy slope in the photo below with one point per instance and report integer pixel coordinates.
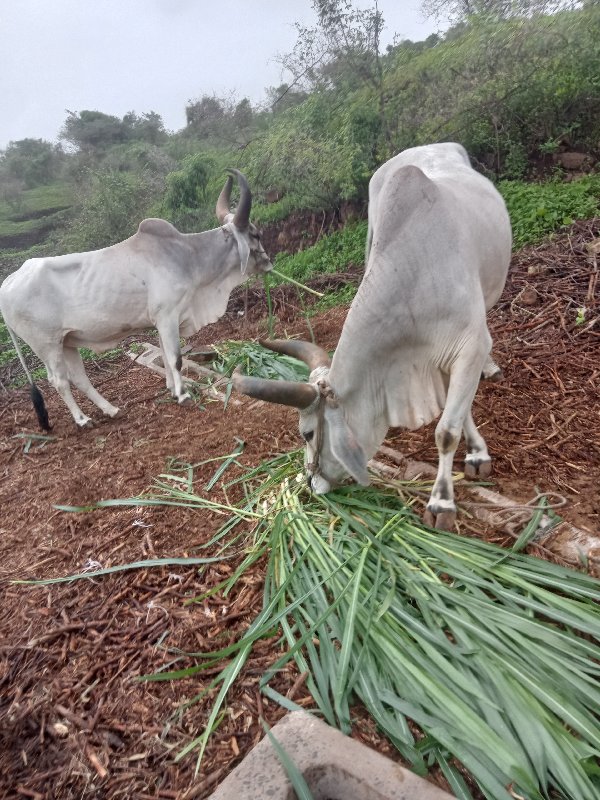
(36, 206)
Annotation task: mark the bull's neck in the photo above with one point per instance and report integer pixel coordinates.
(358, 381)
(214, 254)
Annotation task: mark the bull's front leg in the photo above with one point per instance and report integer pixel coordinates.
(441, 509)
(168, 334)
(167, 367)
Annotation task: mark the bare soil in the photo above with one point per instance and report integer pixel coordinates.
(74, 720)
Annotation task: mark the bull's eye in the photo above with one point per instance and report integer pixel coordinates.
(308, 436)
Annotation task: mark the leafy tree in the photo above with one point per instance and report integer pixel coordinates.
(204, 117)
(187, 191)
(221, 122)
(148, 127)
(457, 10)
(92, 131)
(32, 161)
(284, 96)
(345, 41)
(343, 54)
(243, 115)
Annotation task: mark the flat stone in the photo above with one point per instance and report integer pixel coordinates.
(334, 766)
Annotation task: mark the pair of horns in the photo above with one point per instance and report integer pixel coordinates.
(287, 393)
(241, 219)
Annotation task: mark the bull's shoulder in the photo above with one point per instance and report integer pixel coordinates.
(158, 227)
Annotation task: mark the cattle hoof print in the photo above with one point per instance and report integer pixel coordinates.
(478, 470)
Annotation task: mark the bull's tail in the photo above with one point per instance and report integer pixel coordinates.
(36, 396)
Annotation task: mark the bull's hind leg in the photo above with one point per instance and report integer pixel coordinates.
(491, 371)
(78, 376)
(58, 376)
(478, 463)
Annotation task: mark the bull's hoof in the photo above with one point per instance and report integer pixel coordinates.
(478, 470)
(116, 413)
(493, 377)
(443, 520)
(186, 401)
(85, 424)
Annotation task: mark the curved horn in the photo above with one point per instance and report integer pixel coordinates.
(287, 393)
(242, 212)
(223, 201)
(312, 355)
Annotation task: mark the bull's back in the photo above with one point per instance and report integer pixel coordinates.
(444, 217)
(483, 229)
(85, 299)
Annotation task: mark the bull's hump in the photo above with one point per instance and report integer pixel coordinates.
(158, 227)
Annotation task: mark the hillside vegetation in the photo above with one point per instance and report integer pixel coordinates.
(520, 91)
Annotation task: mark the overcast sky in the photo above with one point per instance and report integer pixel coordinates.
(117, 56)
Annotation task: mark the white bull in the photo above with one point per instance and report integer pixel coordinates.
(158, 277)
(415, 341)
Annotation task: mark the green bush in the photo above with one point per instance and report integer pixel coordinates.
(505, 90)
(537, 209)
(186, 188)
(320, 152)
(113, 206)
(330, 254)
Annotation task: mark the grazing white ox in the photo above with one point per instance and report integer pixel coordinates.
(158, 277)
(415, 340)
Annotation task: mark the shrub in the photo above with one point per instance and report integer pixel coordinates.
(537, 209)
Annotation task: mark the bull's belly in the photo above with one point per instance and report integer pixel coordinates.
(100, 341)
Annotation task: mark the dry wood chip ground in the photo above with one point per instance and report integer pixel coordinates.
(74, 720)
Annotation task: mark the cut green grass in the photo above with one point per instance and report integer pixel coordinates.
(494, 655)
(257, 361)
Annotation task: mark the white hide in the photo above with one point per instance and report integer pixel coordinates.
(158, 277)
(415, 342)
(438, 248)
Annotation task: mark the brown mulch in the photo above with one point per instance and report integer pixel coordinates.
(75, 721)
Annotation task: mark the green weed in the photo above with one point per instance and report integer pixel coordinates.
(538, 209)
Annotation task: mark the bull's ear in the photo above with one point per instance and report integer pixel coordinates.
(241, 238)
(345, 448)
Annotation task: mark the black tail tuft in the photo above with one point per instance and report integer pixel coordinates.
(40, 408)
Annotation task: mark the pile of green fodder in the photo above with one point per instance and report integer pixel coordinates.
(492, 655)
(256, 360)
